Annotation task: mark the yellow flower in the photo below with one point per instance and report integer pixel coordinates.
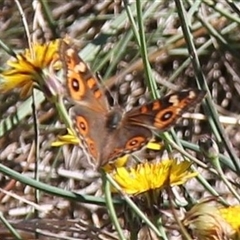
(27, 68)
(150, 176)
(209, 222)
(68, 138)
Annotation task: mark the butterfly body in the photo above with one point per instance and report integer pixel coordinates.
(109, 132)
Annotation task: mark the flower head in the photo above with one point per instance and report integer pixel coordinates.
(150, 176)
(27, 68)
(210, 222)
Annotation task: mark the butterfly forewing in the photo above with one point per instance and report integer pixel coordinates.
(161, 114)
(82, 86)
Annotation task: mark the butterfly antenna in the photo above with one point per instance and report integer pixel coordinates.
(107, 91)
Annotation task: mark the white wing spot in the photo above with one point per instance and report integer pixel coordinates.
(192, 94)
(80, 67)
(174, 100)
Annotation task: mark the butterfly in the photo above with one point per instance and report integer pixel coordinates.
(108, 132)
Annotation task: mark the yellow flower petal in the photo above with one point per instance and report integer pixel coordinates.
(178, 173)
(230, 215)
(154, 145)
(120, 162)
(69, 138)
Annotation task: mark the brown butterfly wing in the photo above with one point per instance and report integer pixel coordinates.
(90, 128)
(163, 113)
(90, 104)
(82, 86)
